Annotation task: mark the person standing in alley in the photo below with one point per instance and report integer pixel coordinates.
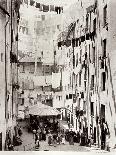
(49, 138)
(34, 132)
(54, 139)
(71, 138)
(63, 137)
(44, 134)
(103, 136)
(36, 137)
(69, 124)
(108, 142)
(37, 142)
(58, 138)
(78, 137)
(19, 131)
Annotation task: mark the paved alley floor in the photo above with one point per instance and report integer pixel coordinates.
(29, 144)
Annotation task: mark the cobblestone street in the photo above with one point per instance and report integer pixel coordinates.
(58, 75)
(29, 145)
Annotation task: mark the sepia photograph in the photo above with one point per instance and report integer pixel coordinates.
(58, 76)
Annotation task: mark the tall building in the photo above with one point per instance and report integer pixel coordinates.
(9, 12)
(89, 48)
(39, 25)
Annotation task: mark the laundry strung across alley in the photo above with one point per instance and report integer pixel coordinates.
(57, 75)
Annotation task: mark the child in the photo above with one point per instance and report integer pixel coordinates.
(50, 139)
(63, 138)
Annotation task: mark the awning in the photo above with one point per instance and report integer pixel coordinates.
(43, 110)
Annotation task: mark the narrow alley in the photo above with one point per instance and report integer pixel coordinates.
(58, 75)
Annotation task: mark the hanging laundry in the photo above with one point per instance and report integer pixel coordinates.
(62, 9)
(51, 7)
(37, 5)
(45, 8)
(56, 80)
(41, 7)
(56, 9)
(59, 10)
(32, 2)
(65, 78)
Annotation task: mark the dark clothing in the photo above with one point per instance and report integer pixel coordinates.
(19, 131)
(45, 8)
(51, 7)
(54, 139)
(54, 136)
(37, 5)
(49, 139)
(36, 138)
(71, 138)
(78, 137)
(44, 136)
(83, 139)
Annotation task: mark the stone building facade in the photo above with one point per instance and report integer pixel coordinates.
(89, 48)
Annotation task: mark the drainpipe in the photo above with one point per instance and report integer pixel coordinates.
(5, 48)
(6, 13)
(11, 61)
(6, 69)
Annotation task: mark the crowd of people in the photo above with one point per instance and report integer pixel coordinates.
(57, 137)
(45, 130)
(51, 132)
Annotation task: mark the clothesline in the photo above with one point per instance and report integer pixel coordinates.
(77, 41)
(45, 8)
